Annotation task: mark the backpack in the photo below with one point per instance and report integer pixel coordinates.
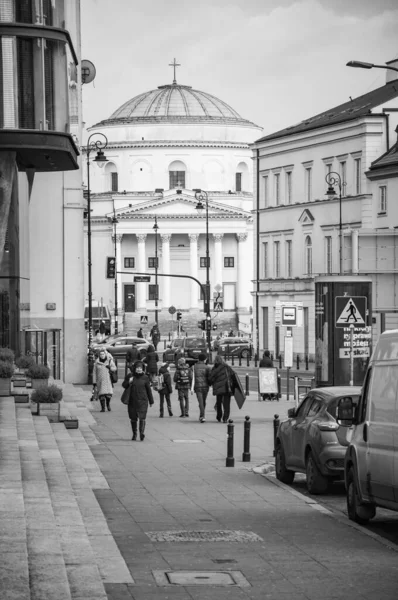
(183, 376)
(161, 383)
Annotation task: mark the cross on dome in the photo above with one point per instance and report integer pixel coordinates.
(174, 64)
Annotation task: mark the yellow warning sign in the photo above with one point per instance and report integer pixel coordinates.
(350, 314)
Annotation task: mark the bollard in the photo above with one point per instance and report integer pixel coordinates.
(230, 461)
(306, 362)
(276, 425)
(255, 360)
(169, 336)
(164, 344)
(280, 361)
(246, 440)
(232, 357)
(312, 382)
(240, 360)
(247, 384)
(298, 362)
(248, 360)
(279, 387)
(296, 390)
(125, 368)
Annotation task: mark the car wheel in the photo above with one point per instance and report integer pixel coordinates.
(360, 513)
(245, 353)
(316, 482)
(282, 473)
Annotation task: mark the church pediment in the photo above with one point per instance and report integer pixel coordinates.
(306, 217)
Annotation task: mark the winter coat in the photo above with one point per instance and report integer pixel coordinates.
(222, 379)
(167, 387)
(132, 355)
(201, 373)
(140, 334)
(155, 334)
(179, 374)
(266, 362)
(151, 361)
(101, 376)
(140, 395)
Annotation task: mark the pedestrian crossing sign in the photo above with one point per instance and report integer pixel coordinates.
(218, 307)
(144, 320)
(350, 310)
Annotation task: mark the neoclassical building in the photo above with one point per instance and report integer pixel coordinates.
(162, 146)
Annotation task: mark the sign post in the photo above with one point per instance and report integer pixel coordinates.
(172, 310)
(288, 360)
(351, 354)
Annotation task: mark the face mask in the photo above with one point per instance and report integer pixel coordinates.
(139, 371)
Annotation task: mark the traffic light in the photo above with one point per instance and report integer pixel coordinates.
(110, 267)
(202, 324)
(179, 315)
(214, 327)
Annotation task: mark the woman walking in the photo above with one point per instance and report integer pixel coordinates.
(102, 382)
(222, 378)
(139, 398)
(151, 360)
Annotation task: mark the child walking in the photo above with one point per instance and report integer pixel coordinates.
(183, 380)
(164, 388)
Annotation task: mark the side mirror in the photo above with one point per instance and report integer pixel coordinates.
(345, 412)
(291, 413)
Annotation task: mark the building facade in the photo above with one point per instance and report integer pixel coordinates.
(162, 146)
(301, 231)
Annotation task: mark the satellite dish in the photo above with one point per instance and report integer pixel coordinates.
(88, 71)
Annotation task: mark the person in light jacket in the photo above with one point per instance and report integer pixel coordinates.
(102, 382)
(201, 373)
(140, 397)
(222, 378)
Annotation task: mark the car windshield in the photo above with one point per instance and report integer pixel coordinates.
(332, 405)
(195, 343)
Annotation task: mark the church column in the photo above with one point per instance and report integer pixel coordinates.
(193, 253)
(166, 269)
(243, 282)
(217, 280)
(119, 266)
(141, 287)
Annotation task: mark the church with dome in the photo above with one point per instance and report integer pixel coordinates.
(169, 152)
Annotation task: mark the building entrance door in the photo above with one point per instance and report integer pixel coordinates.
(129, 298)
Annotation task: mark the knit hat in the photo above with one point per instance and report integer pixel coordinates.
(202, 356)
(181, 361)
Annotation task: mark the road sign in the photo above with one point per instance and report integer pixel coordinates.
(289, 316)
(142, 278)
(218, 307)
(351, 310)
(144, 320)
(172, 310)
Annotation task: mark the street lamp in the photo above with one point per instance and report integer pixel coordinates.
(100, 159)
(333, 178)
(201, 196)
(115, 222)
(357, 64)
(156, 227)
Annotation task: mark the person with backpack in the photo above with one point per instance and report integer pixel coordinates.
(151, 362)
(200, 384)
(164, 388)
(183, 381)
(132, 355)
(222, 378)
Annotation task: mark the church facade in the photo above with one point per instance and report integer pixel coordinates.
(162, 147)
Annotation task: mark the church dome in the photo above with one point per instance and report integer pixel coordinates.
(175, 103)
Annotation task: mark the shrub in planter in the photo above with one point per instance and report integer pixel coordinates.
(47, 394)
(39, 375)
(25, 361)
(7, 355)
(6, 372)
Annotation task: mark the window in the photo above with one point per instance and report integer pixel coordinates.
(114, 182)
(289, 258)
(264, 195)
(152, 262)
(129, 262)
(277, 190)
(343, 172)
(315, 408)
(383, 199)
(329, 168)
(265, 259)
(238, 182)
(357, 173)
(229, 261)
(328, 254)
(308, 184)
(203, 262)
(288, 187)
(308, 255)
(176, 179)
(277, 259)
(153, 291)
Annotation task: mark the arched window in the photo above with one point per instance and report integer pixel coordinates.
(177, 171)
(242, 178)
(112, 179)
(308, 255)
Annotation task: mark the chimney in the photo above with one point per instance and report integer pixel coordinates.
(392, 75)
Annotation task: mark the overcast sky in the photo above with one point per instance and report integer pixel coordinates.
(276, 62)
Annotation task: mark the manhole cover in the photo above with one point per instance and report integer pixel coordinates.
(187, 441)
(190, 578)
(203, 536)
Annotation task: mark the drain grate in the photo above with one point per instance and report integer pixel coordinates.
(187, 441)
(223, 561)
(190, 578)
(203, 536)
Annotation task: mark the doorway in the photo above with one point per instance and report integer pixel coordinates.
(129, 298)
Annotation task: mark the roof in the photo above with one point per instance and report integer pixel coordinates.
(337, 390)
(387, 159)
(175, 103)
(349, 111)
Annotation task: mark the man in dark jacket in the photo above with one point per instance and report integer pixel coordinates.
(151, 361)
(132, 355)
(140, 397)
(155, 335)
(222, 378)
(140, 333)
(201, 373)
(164, 388)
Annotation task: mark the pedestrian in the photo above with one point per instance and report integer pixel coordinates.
(140, 333)
(183, 381)
(201, 372)
(102, 329)
(151, 361)
(231, 333)
(164, 388)
(266, 363)
(132, 355)
(222, 378)
(139, 398)
(102, 383)
(155, 335)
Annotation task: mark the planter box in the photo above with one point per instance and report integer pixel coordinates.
(20, 382)
(49, 410)
(5, 386)
(36, 383)
(21, 398)
(71, 423)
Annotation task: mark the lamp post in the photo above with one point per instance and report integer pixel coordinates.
(332, 179)
(156, 227)
(201, 196)
(100, 159)
(357, 64)
(115, 222)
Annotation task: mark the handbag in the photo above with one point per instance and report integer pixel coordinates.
(126, 395)
(94, 395)
(114, 376)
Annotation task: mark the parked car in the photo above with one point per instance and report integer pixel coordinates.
(236, 346)
(188, 347)
(118, 345)
(370, 468)
(311, 441)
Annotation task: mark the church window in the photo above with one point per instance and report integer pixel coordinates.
(238, 182)
(177, 179)
(114, 182)
(151, 262)
(308, 255)
(153, 291)
(129, 262)
(203, 262)
(229, 261)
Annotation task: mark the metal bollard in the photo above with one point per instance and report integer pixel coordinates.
(247, 385)
(276, 423)
(240, 360)
(306, 362)
(298, 362)
(255, 360)
(230, 461)
(248, 360)
(246, 440)
(169, 336)
(280, 361)
(312, 382)
(279, 387)
(232, 358)
(164, 344)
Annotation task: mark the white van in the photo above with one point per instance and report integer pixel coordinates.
(371, 461)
